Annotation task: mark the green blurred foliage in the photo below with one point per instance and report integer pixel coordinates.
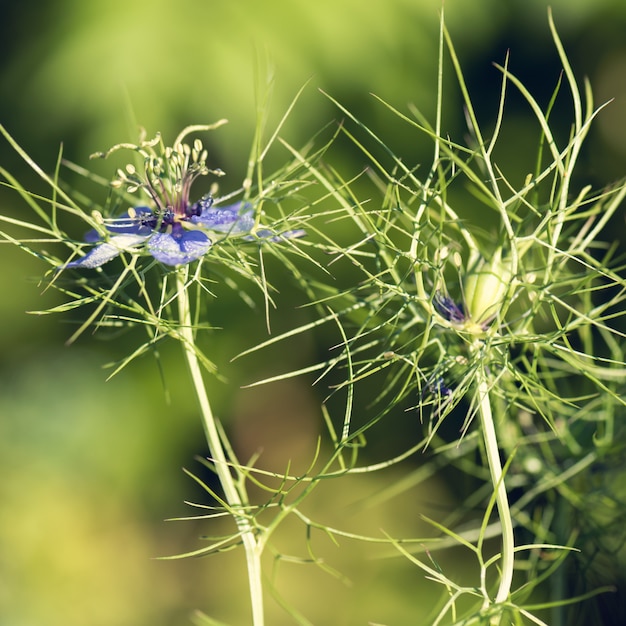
(90, 468)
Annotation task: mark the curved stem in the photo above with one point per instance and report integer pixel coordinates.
(217, 453)
(497, 478)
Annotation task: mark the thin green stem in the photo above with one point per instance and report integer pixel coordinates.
(497, 478)
(233, 495)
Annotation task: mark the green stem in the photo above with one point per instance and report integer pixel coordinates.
(216, 449)
(497, 478)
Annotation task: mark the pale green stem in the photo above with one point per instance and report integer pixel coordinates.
(497, 478)
(217, 454)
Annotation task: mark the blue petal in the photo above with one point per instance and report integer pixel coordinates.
(106, 251)
(448, 308)
(437, 386)
(235, 219)
(137, 221)
(232, 218)
(179, 246)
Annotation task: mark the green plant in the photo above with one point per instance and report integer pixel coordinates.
(483, 303)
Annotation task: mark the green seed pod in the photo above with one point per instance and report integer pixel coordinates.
(485, 288)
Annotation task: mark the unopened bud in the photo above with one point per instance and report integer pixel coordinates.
(485, 288)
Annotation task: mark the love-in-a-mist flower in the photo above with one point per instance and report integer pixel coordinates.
(172, 229)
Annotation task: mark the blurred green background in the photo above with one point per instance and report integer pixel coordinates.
(91, 468)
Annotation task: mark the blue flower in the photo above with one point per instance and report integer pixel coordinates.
(170, 237)
(173, 229)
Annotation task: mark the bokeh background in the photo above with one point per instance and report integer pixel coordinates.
(90, 469)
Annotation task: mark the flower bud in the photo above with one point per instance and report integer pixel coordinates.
(485, 288)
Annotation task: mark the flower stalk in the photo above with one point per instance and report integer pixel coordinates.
(236, 500)
(497, 478)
